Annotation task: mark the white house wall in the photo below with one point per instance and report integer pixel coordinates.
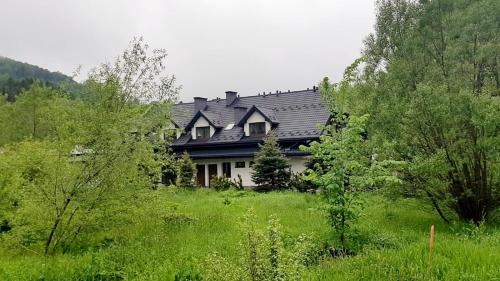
(297, 165)
(201, 122)
(255, 118)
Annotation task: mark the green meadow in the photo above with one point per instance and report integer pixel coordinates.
(169, 235)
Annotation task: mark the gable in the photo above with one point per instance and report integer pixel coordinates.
(256, 117)
(202, 121)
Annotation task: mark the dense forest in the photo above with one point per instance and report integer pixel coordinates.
(17, 76)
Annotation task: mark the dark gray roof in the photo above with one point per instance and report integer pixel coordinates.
(269, 115)
(295, 116)
(214, 118)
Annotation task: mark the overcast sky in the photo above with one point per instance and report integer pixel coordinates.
(248, 46)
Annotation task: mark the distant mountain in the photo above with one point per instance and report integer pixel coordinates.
(16, 70)
(16, 76)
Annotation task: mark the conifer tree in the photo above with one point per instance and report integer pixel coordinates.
(271, 170)
(185, 175)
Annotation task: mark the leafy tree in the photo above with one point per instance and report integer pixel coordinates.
(271, 170)
(66, 182)
(344, 167)
(37, 114)
(186, 171)
(430, 83)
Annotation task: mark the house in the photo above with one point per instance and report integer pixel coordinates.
(222, 135)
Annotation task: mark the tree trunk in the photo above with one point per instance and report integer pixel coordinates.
(436, 206)
(55, 225)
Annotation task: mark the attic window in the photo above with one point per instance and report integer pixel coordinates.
(257, 128)
(203, 133)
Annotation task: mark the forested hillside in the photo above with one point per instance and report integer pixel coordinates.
(16, 76)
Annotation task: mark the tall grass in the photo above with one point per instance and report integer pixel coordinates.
(174, 231)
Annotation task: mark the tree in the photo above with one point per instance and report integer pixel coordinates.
(186, 171)
(37, 113)
(70, 181)
(344, 167)
(271, 170)
(431, 86)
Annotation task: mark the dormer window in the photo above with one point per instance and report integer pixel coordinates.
(203, 133)
(257, 128)
(258, 121)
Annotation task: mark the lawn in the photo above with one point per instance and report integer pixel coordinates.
(173, 231)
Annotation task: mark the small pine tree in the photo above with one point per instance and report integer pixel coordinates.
(185, 175)
(271, 170)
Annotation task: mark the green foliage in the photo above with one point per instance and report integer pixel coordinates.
(69, 164)
(38, 114)
(219, 268)
(222, 183)
(186, 171)
(344, 167)
(299, 183)
(264, 256)
(271, 170)
(187, 275)
(430, 83)
(239, 183)
(137, 244)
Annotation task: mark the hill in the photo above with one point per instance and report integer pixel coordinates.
(16, 76)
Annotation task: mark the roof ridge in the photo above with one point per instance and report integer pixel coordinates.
(258, 95)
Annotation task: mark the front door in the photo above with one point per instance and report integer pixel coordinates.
(200, 175)
(212, 172)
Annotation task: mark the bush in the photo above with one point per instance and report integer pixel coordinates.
(187, 275)
(263, 255)
(221, 183)
(238, 183)
(300, 184)
(185, 176)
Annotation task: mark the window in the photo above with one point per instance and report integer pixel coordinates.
(226, 169)
(240, 164)
(251, 163)
(257, 129)
(203, 133)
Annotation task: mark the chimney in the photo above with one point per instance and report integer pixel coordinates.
(230, 97)
(239, 112)
(199, 104)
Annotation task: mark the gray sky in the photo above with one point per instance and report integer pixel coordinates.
(247, 46)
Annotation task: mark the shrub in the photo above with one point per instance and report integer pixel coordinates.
(187, 275)
(218, 268)
(185, 176)
(263, 255)
(238, 183)
(222, 183)
(301, 184)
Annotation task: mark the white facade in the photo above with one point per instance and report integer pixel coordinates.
(255, 118)
(297, 165)
(201, 122)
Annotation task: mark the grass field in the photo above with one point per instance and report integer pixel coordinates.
(175, 230)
